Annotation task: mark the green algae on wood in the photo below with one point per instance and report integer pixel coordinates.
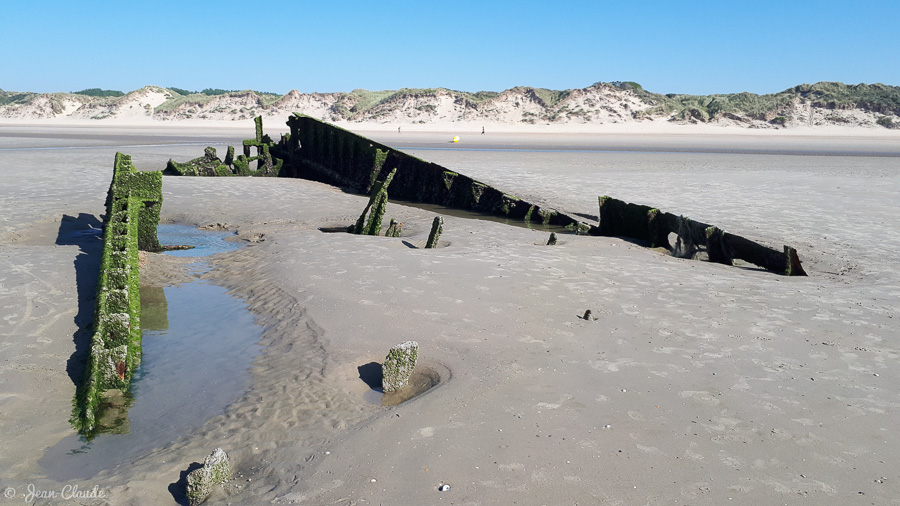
(323, 152)
(717, 248)
(377, 204)
(398, 366)
(267, 163)
(133, 205)
(217, 469)
(437, 227)
(394, 229)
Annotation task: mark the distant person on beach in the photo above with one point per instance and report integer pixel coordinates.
(398, 130)
(482, 130)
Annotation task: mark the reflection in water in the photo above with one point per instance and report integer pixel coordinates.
(112, 415)
(189, 373)
(198, 345)
(154, 308)
(422, 379)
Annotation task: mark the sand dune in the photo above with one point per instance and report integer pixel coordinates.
(824, 104)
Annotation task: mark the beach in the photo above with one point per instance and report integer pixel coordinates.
(695, 383)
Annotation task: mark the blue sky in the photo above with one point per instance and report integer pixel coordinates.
(671, 46)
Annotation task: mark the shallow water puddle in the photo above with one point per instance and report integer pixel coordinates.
(198, 345)
(204, 242)
(422, 379)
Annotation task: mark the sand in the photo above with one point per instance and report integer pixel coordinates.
(696, 384)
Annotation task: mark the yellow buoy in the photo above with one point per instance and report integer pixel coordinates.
(455, 139)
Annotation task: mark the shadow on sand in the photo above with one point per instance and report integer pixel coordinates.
(423, 379)
(86, 232)
(371, 375)
(179, 488)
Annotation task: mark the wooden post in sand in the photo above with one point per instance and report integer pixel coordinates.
(216, 469)
(717, 247)
(398, 366)
(793, 262)
(394, 229)
(436, 228)
(377, 203)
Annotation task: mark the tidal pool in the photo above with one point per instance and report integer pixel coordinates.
(423, 379)
(198, 345)
(204, 242)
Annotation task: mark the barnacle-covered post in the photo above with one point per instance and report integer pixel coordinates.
(398, 366)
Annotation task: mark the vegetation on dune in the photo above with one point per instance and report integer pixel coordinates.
(97, 92)
(214, 91)
(361, 102)
(55, 100)
(877, 98)
(219, 91)
(707, 107)
(625, 85)
(182, 96)
(58, 105)
(886, 122)
(579, 104)
(181, 91)
(178, 99)
(550, 97)
(478, 96)
(11, 97)
(268, 99)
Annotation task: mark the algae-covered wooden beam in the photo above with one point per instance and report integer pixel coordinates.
(377, 204)
(373, 225)
(205, 165)
(793, 262)
(268, 163)
(144, 187)
(323, 152)
(132, 214)
(618, 218)
(717, 248)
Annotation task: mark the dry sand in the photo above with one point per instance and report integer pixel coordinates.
(696, 384)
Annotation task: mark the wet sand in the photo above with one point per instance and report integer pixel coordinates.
(697, 383)
(672, 142)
